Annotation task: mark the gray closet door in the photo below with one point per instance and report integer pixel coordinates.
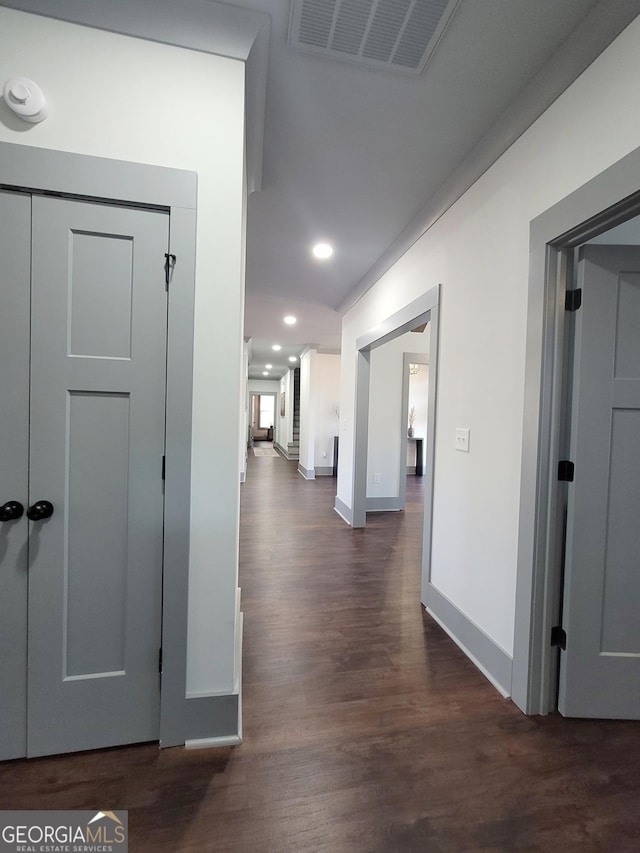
(97, 440)
(600, 669)
(15, 269)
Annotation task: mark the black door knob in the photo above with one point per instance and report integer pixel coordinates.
(11, 510)
(40, 510)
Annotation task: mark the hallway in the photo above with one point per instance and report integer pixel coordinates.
(372, 731)
(366, 730)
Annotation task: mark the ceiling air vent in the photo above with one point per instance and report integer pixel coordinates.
(399, 35)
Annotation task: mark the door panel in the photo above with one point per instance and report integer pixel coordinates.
(621, 584)
(15, 270)
(98, 428)
(600, 669)
(97, 440)
(100, 297)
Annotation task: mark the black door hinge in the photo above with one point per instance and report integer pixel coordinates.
(559, 637)
(566, 471)
(164, 467)
(573, 299)
(160, 660)
(169, 264)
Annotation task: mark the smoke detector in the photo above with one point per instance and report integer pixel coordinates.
(25, 99)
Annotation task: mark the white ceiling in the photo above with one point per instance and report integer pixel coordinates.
(351, 155)
(363, 158)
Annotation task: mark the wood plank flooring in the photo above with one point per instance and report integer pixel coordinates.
(366, 729)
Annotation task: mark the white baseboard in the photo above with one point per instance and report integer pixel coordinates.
(210, 742)
(343, 511)
(384, 505)
(492, 661)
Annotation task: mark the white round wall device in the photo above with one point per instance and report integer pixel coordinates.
(26, 99)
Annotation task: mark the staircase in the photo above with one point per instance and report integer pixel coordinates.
(293, 447)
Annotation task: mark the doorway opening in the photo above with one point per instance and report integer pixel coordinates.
(550, 429)
(415, 410)
(263, 417)
(423, 310)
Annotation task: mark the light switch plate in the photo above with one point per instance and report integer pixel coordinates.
(462, 440)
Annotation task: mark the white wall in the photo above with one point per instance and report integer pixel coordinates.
(479, 251)
(244, 412)
(307, 415)
(326, 398)
(285, 424)
(419, 399)
(263, 386)
(123, 98)
(319, 399)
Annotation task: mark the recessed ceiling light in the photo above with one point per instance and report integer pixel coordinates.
(322, 251)
(293, 358)
(265, 372)
(276, 347)
(268, 366)
(290, 320)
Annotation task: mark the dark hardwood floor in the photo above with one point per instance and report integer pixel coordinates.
(366, 730)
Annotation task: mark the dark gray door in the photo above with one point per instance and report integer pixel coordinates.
(600, 669)
(84, 411)
(15, 266)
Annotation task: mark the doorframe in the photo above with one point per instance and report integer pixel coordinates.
(426, 308)
(602, 203)
(36, 171)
